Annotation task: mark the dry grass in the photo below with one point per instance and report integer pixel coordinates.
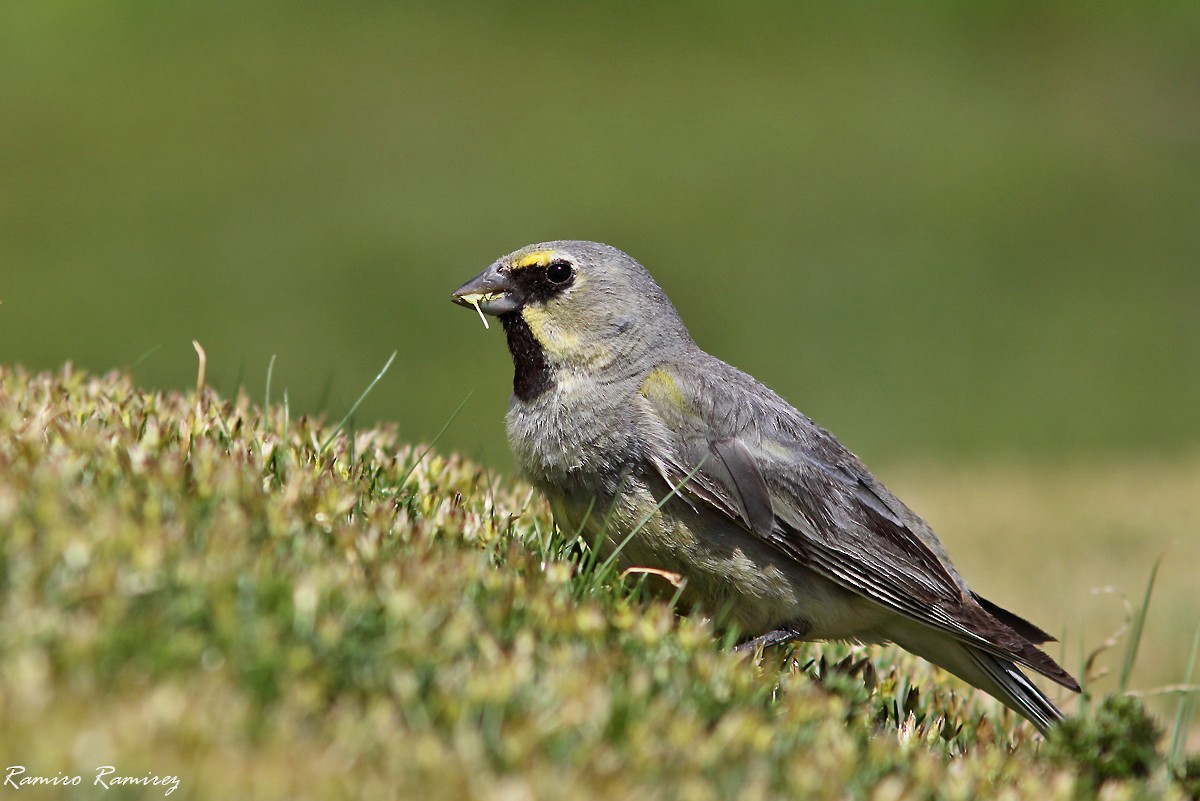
(1066, 546)
(197, 589)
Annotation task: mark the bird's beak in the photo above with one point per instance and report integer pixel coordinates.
(490, 292)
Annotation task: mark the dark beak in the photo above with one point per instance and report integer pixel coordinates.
(490, 292)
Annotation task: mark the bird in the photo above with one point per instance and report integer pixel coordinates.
(676, 461)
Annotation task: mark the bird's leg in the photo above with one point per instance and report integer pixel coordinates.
(776, 637)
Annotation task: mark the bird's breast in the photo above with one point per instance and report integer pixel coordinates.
(577, 433)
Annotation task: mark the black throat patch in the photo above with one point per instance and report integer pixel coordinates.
(532, 374)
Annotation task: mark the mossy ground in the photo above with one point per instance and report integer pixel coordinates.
(193, 587)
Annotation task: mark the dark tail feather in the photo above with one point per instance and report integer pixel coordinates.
(1016, 691)
(1013, 638)
(1015, 622)
(998, 676)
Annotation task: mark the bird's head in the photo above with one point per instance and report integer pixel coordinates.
(578, 305)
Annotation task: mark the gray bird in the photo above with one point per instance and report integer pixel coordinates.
(626, 425)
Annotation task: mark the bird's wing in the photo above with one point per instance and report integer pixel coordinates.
(700, 464)
(738, 448)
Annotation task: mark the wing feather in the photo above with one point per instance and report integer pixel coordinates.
(796, 487)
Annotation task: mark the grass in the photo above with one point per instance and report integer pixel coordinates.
(1071, 547)
(196, 587)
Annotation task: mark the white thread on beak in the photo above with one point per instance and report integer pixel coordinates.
(482, 316)
(474, 299)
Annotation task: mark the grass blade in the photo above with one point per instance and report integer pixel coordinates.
(1135, 631)
(628, 537)
(436, 437)
(144, 356)
(267, 395)
(1187, 707)
(358, 403)
(588, 566)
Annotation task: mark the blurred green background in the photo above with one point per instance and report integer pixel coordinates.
(963, 236)
(946, 230)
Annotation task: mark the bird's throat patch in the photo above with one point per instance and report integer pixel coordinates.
(531, 372)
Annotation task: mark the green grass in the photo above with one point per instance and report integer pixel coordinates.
(196, 587)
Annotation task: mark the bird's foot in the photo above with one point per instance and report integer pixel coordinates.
(776, 637)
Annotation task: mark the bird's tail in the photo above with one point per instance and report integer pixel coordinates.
(995, 675)
(1015, 690)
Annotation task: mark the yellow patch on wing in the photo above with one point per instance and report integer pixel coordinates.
(660, 387)
(538, 258)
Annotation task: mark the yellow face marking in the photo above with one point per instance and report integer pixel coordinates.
(659, 386)
(553, 338)
(538, 258)
(475, 298)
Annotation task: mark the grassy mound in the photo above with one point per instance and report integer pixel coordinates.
(266, 608)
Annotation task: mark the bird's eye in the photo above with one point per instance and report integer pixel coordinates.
(559, 272)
